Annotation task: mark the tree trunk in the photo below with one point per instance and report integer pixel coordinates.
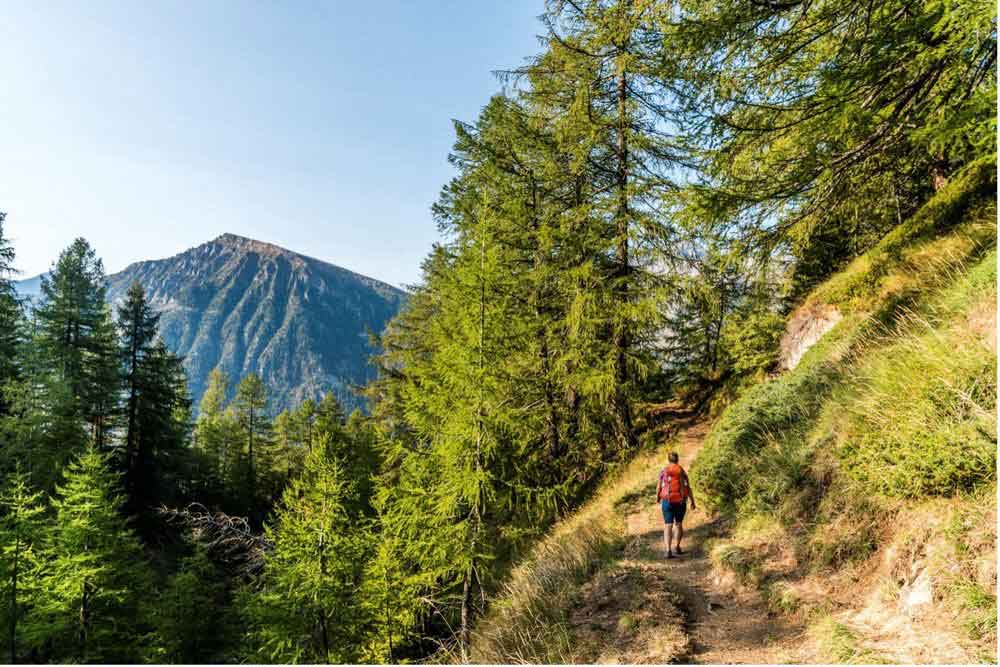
(130, 445)
(84, 619)
(465, 629)
(622, 340)
(13, 599)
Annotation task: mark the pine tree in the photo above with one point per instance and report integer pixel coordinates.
(97, 574)
(21, 528)
(253, 424)
(76, 337)
(156, 405)
(305, 607)
(10, 319)
(215, 440)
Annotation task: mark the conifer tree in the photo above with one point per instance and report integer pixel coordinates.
(76, 338)
(10, 319)
(602, 76)
(21, 530)
(156, 403)
(287, 444)
(137, 326)
(911, 91)
(305, 607)
(194, 593)
(97, 576)
(254, 427)
(215, 438)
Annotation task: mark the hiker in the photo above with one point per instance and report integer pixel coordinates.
(673, 490)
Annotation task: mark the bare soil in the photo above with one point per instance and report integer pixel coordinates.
(725, 623)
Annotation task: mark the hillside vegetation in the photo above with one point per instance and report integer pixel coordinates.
(876, 455)
(857, 490)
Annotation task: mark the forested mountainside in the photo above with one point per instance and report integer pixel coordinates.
(771, 161)
(245, 306)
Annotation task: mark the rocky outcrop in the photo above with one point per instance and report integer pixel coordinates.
(805, 327)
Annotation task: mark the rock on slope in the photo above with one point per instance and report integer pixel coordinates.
(246, 306)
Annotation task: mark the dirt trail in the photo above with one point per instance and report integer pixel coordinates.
(726, 624)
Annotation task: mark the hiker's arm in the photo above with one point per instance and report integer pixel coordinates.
(694, 505)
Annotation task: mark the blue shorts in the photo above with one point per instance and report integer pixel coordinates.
(673, 512)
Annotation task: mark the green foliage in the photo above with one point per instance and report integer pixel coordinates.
(194, 623)
(215, 442)
(305, 607)
(10, 318)
(914, 391)
(21, 565)
(747, 458)
(77, 338)
(964, 203)
(157, 409)
(808, 115)
(254, 461)
(96, 577)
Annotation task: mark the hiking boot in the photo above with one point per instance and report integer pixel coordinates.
(669, 554)
(678, 551)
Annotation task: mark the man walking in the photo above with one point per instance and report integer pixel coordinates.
(673, 490)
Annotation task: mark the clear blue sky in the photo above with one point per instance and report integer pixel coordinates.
(151, 127)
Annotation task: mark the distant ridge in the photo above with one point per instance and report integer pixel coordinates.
(245, 306)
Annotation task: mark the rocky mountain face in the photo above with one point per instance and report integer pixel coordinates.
(246, 306)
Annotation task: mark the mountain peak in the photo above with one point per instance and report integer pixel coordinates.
(242, 243)
(243, 305)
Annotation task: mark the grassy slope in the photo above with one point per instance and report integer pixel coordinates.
(873, 462)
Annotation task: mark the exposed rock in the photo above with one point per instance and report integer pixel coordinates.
(805, 327)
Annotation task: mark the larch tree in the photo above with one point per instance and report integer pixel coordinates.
(76, 338)
(215, 439)
(22, 527)
(96, 576)
(10, 320)
(253, 423)
(305, 608)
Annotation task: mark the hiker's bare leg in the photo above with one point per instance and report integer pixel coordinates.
(667, 530)
(680, 534)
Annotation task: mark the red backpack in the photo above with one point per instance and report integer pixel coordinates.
(673, 484)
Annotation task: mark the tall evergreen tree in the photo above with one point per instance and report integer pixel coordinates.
(137, 326)
(254, 427)
(76, 337)
(305, 607)
(10, 318)
(156, 404)
(604, 78)
(215, 439)
(97, 575)
(21, 529)
(195, 592)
